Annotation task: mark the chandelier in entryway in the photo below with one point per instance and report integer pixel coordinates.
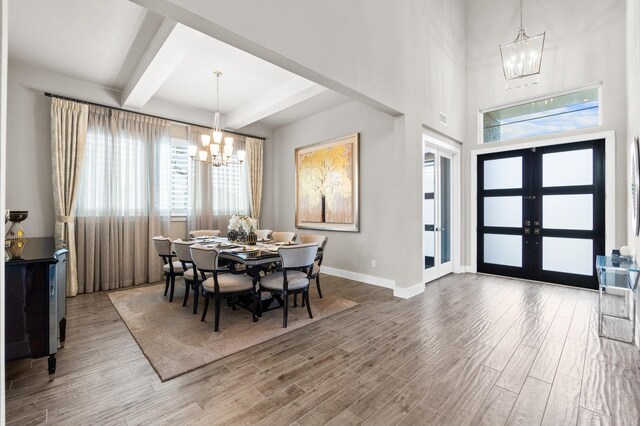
(522, 58)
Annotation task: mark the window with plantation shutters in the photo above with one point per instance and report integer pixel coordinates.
(180, 163)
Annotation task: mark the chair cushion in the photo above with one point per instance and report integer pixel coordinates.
(229, 283)
(188, 275)
(275, 281)
(177, 267)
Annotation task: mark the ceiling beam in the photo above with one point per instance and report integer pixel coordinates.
(275, 100)
(166, 51)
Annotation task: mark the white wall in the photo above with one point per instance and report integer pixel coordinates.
(29, 185)
(584, 45)
(402, 58)
(380, 205)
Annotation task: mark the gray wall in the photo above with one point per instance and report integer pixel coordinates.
(380, 205)
(407, 59)
(584, 45)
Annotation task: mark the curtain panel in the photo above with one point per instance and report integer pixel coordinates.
(68, 137)
(124, 199)
(216, 193)
(255, 162)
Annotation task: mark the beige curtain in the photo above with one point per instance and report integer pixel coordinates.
(254, 148)
(124, 200)
(68, 137)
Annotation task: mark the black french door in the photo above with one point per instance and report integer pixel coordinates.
(541, 213)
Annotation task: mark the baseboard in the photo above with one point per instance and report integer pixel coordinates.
(467, 269)
(356, 276)
(408, 292)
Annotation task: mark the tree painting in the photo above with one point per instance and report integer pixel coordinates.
(325, 182)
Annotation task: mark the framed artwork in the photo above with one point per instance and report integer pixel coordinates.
(327, 185)
(635, 184)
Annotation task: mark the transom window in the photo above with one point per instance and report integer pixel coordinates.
(576, 110)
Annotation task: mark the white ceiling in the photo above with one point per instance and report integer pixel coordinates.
(106, 43)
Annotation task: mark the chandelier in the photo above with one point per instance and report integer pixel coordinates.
(521, 59)
(215, 153)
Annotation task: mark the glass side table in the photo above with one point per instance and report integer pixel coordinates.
(618, 279)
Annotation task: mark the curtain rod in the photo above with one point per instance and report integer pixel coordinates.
(53, 95)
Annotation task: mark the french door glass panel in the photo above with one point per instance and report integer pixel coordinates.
(445, 209)
(567, 168)
(503, 211)
(503, 249)
(568, 211)
(429, 209)
(503, 173)
(568, 255)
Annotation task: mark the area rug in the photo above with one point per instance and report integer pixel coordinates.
(175, 341)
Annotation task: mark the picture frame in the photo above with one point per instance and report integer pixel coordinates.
(327, 185)
(635, 184)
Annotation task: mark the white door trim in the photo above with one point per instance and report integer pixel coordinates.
(456, 197)
(610, 183)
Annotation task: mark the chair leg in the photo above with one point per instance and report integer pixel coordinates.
(217, 313)
(306, 296)
(285, 312)
(166, 284)
(318, 285)
(259, 302)
(196, 296)
(295, 300)
(206, 306)
(233, 302)
(173, 286)
(255, 306)
(303, 301)
(186, 293)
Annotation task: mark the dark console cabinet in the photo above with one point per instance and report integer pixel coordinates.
(35, 301)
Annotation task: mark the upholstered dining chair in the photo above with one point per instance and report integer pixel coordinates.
(263, 234)
(204, 233)
(190, 276)
(283, 237)
(321, 240)
(171, 268)
(220, 284)
(294, 278)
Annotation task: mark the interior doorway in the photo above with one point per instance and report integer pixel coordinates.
(441, 223)
(541, 212)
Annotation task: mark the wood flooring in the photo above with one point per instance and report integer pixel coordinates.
(471, 349)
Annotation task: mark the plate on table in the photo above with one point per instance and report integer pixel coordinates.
(264, 240)
(286, 243)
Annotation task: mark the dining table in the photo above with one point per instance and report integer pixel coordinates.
(257, 258)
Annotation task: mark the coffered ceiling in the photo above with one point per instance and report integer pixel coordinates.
(119, 45)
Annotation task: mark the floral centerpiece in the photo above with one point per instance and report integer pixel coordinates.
(240, 226)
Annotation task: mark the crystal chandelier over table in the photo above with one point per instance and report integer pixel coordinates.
(522, 58)
(211, 150)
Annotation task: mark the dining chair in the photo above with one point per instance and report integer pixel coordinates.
(171, 268)
(190, 276)
(294, 278)
(221, 283)
(283, 237)
(204, 233)
(321, 240)
(263, 234)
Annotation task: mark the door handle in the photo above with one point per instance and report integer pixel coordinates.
(536, 231)
(527, 231)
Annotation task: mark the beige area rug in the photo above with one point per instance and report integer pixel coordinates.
(175, 341)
